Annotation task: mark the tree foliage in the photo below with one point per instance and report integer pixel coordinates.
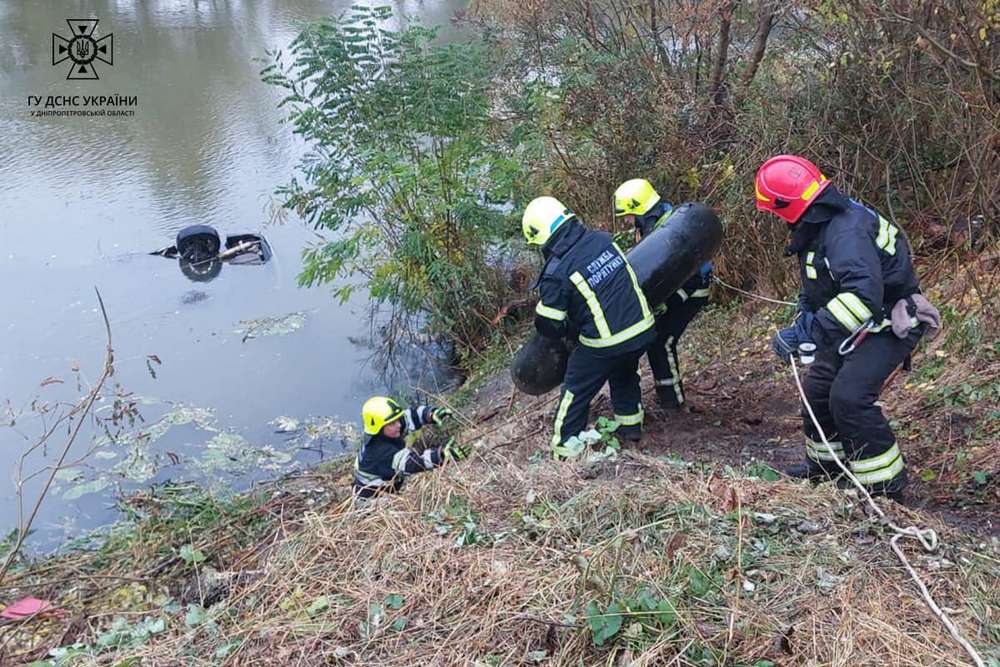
(897, 100)
(403, 176)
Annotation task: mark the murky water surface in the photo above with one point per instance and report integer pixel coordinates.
(236, 379)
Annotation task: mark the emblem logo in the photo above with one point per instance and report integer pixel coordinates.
(82, 49)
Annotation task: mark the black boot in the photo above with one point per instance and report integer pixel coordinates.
(632, 436)
(806, 470)
(667, 398)
(893, 489)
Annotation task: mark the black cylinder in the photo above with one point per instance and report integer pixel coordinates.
(663, 261)
(539, 365)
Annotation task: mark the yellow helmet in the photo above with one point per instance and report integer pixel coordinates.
(635, 197)
(542, 217)
(379, 411)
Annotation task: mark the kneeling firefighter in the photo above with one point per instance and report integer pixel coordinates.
(859, 305)
(384, 461)
(588, 289)
(640, 205)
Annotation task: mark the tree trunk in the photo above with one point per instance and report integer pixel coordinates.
(716, 89)
(765, 21)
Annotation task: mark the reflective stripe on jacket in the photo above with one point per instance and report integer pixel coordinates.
(587, 288)
(854, 266)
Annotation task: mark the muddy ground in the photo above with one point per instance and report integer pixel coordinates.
(743, 407)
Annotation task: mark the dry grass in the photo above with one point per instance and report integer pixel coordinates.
(517, 593)
(495, 561)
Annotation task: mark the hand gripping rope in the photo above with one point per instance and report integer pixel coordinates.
(926, 536)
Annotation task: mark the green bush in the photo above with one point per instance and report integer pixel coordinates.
(404, 175)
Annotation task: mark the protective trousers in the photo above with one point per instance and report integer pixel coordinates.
(662, 353)
(586, 373)
(842, 391)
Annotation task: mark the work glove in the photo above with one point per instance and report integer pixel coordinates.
(454, 451)
(438, 415)
(786, 342)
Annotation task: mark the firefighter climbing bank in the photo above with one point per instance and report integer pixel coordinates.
(860, 305)
(588, 291)
(638, 204)
(384, 461)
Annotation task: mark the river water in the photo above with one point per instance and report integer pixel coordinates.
(82, 202)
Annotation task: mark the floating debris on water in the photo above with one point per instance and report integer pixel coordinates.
(140, 463)
(232, 453)
(271, 326)
(80, 490)
(316, 432)
(284, 424)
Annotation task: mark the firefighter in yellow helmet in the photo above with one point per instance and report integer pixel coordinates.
(587, 290)
(640, 205)
(384, 461)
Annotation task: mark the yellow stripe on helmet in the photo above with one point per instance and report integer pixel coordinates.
(810, 191)
(760, 196)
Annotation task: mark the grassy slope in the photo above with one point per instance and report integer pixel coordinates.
(515, 559)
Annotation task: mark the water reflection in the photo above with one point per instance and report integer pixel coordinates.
(83, 201)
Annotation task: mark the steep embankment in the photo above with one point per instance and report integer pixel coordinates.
(642, 557)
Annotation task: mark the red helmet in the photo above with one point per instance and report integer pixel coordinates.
(787, 184)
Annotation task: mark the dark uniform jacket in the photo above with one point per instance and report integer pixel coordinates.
(697, 286)
(587, 288)
(383, 463)
(854, 265)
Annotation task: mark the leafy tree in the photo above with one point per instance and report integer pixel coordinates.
(402, 171)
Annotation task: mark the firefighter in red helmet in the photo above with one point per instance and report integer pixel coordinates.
(858, 284)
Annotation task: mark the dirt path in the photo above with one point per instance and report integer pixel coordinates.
(744, 409)
(740, 413)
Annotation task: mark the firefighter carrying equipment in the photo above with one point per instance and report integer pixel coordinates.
(853, 266)
(662, 263)
(589, 289)
(672, 316)
(787, 185)
(635, 197)
(383, 463)
(542, 217)
(586, 373)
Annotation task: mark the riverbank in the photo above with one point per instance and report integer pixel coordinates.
(689, 549)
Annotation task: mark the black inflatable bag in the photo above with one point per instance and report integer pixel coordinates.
(663, 261)
(540, 364)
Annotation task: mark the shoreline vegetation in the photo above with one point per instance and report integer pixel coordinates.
(691, 549)
(628, 556)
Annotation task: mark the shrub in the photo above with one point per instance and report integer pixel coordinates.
(403, 176)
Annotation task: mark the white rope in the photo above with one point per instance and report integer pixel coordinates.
(751, 294)
(926, 536)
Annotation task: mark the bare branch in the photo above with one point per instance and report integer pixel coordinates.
(80, 412)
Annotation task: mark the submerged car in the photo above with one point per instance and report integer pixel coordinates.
(201, 253)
